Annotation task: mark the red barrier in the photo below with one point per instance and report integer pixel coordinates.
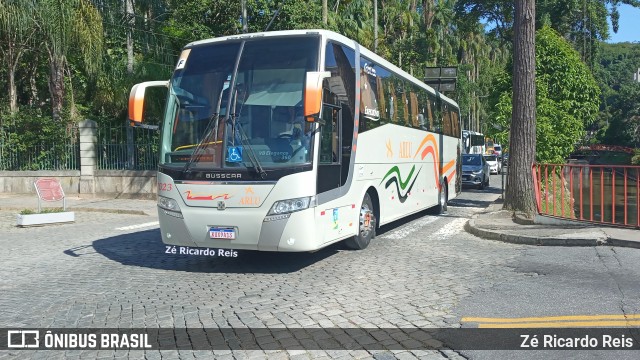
(611, 189)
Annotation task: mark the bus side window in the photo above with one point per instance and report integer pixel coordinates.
(329, 145)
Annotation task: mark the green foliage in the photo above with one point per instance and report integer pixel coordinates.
(620, 111)
(43, 211)
(90, 39)
(635, 160)
(34, 136)
(566, 96)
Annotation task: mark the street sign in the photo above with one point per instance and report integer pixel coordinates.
(442, 79)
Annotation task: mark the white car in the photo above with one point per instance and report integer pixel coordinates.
(495, 166)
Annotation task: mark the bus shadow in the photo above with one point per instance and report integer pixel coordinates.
(145, 249)
(469, 203)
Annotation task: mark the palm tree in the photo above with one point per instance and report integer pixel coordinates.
(67, 25)
(16, 31)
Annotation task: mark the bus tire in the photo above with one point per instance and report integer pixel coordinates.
(367, 223)
(443, 199)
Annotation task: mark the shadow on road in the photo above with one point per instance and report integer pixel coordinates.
(145, 249)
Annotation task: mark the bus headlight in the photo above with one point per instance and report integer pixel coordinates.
(168, 204)
(291, 205)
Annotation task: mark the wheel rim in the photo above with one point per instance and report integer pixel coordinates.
(367, 221)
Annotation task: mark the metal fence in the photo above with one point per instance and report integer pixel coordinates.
(607, 194)
(17, 154)
(127, 148)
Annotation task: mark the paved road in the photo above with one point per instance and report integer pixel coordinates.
(111, 270)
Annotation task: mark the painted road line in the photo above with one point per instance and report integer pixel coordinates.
(551, 318)
(562, 324)
(139, 226)
(603, 320)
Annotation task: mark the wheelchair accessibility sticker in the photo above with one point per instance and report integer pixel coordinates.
(234, 154)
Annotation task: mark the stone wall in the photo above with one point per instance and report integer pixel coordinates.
(112, 183)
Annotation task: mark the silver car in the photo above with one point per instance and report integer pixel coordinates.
(475, 171)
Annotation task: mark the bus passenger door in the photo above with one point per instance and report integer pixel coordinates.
(330, 150)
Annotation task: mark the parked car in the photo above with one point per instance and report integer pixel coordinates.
(475, 171)
(495, 165)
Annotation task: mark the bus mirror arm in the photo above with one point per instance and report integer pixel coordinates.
(315, 118)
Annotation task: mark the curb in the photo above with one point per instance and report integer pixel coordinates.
(471, 228)
(81, 209)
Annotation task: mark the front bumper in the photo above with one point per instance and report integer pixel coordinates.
(252, 232)
(471, 179)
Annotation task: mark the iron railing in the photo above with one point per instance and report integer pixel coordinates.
(606, 194)
(127, 148)
(15, 155)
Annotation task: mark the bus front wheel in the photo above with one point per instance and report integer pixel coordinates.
(443, 198)
(367, 226)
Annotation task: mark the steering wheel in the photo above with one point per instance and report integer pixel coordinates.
(285, 136)
(191, 102)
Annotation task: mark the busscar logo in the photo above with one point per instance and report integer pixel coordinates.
(23, 339)
(223, 176)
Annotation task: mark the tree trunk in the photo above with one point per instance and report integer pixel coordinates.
(131, 21)
(428, 13)
(519, 194)
(13, 93)
(33, 85)
(12, 56)
(56, 84)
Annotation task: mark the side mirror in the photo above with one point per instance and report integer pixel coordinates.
(313, 94)
(136, 99)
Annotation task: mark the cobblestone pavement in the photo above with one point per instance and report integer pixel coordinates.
(91, 274)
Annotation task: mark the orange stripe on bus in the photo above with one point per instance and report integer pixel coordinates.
(448, 166)
(451, 176)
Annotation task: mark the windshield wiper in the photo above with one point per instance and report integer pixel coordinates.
(245, 142)
(197, 152)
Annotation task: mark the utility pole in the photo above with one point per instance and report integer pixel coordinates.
(375, 26)
(245, 28)
(325, 12)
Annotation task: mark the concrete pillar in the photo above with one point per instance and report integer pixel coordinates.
(88, 140)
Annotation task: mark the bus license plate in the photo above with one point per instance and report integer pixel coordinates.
(222, 233)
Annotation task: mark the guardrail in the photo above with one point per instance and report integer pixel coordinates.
(606, 194)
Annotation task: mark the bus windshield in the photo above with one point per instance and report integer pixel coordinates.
(238, 103)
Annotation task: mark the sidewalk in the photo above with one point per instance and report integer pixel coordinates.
(19, 202)
(497, 224)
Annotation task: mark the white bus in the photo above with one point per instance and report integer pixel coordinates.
(294, 140)
(473, 142)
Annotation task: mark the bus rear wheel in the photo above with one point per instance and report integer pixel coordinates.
(367, 226)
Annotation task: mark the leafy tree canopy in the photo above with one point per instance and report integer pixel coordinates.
(567, 97)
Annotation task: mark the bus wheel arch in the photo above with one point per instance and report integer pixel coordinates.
(368, 215)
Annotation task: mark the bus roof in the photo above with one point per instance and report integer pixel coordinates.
(329, 35)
